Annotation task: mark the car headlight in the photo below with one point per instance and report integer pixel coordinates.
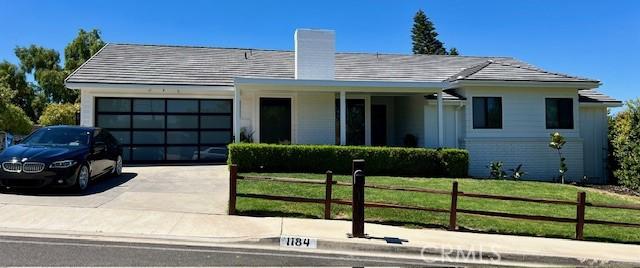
(62, 164)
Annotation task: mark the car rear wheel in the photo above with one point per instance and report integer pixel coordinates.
(82, 181)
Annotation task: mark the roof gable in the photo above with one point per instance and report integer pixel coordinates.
(503, 71)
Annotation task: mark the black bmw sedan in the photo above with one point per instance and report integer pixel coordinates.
(61, 156)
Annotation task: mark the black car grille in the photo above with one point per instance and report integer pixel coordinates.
(28, 167)
(12, 167)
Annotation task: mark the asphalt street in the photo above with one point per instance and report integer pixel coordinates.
(29, 251)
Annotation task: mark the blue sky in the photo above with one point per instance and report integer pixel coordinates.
(596, 39)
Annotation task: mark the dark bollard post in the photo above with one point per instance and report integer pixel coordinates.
(233, 178)
(357, 226)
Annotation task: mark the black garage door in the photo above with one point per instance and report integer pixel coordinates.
(168, 130)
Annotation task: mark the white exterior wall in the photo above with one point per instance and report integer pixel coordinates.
(593, 130)
(316, 118)
(409, 118)
(451, 131)
(87, 103)
(523, 138)
(313, 115)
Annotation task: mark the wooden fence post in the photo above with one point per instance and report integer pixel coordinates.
(454, 207)
(582, 199)
(327, 195)
(233, 182)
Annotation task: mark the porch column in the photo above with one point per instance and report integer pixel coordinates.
(343, 118)
(440, 122)
(236, 114)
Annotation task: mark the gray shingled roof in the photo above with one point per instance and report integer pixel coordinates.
(510, 71)
(590, 95)
(593, 95)
(185, 65)
(182, 65)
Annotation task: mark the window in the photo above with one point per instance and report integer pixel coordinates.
(487, 112)
(275, 120)
(559, 113)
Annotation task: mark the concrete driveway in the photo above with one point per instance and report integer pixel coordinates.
(199, 189)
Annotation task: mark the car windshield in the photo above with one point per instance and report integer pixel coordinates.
(58, 137)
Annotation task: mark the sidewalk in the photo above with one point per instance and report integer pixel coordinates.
(331, 234)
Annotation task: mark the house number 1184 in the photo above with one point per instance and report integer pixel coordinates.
(298, 242)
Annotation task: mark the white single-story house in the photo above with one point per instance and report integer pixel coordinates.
(185, 103)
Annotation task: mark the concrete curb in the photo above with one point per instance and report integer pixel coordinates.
(483, 258)
(428, 255)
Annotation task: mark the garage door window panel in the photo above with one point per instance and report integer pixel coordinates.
(148, 105)
(149, 153)
(148, 137)
(148, 121)
(113, 105)
(182, 106)
(215, 121)
(182, 153)
(215, 137)
(213, 153)
(182, 137)
(215, 106)
(182, 121)
(111, 121)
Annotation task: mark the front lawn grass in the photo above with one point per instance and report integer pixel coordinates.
(419, 219)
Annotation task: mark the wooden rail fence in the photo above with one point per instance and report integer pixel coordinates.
(580, 203)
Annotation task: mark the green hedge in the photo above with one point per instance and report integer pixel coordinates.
(393, 161)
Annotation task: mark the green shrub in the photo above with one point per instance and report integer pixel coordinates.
(59, 114)
(14, 120)
(418, 162)
(625, 140)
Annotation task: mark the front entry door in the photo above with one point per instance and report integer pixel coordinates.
(378, 125)
(275, 120)
(355, 122)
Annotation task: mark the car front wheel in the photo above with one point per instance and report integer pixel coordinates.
(82, 181)
(117, 168)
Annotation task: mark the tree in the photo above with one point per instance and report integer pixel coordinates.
(625, 139)
(45, 65)
(557, 142)
(59, 114)
(12, 118)
(424, 36)
(453, 52)
(82, 48)
(14, 80)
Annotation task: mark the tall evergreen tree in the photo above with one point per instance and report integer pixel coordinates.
(82, 48)
(424, 36)
(454, 52)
